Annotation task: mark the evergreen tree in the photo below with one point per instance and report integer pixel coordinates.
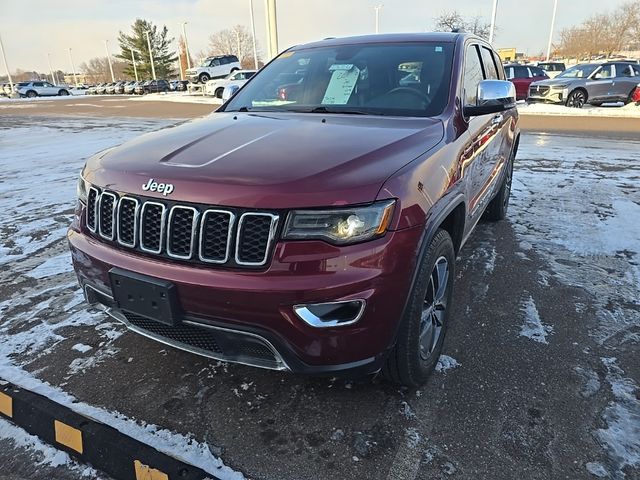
(163, 57)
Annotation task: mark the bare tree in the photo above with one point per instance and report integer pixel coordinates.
(453, 20)
(602, 33)
(97, 70)
(234, 41)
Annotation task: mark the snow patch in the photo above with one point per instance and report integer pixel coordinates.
(533, 327)
(445, 362)
(621, 438)
(53, 266)
(81, 347)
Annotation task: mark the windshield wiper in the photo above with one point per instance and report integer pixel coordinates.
(324, 109)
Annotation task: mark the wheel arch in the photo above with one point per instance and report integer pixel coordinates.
(584, 90)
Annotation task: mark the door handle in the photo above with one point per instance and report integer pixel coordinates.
(497, 120)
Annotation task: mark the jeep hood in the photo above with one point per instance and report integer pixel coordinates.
(268, 160)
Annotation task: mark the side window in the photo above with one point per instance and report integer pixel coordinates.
(248, 75)
(537, 72)
(498, 63)
(490, 70)
(623, 70)
(520, 72)
(509, 71)
(215, 63)
(636, 69)
(472, 75)
(38, 84)
(605, 72)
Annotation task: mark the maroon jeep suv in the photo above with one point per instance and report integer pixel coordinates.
(314, 232)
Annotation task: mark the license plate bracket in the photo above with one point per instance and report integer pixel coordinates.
(149, 297)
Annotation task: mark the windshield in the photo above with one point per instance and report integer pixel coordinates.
(407, 79)
(578, 71)
(205, 62)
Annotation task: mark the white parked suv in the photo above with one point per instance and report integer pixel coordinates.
(216, 87)
(213, 67)
(40, 89)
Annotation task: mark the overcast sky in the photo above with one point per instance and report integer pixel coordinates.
(32, 28)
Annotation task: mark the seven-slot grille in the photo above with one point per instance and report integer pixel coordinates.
(193, 233)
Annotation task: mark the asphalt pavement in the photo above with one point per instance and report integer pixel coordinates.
(540, 375)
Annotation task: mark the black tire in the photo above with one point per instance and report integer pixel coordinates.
(497, 208)
(31, 94)
(577, 98)
(204, 78)
(63, 93)
(422, 331)
(218, 93)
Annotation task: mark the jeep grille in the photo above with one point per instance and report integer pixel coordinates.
(195, 233)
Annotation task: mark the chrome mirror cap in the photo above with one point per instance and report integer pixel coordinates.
(496, 92)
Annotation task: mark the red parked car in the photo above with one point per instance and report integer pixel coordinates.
(522, 76)
(635, 95)
(316, 233)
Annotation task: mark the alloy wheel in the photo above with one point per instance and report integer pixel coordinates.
(577, 99)
(434, 308)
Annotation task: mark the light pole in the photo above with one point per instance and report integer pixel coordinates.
(133, 60)
(73, 68)
(493, 20)
(153, 67)
(553, 22)
(186, 44)
(272, 28)
(253, 36)
(180, 63)
(377, 9)
(106, 49)
(53, 79)
(6, 66)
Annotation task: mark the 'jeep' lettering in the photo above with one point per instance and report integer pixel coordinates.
(153, 186)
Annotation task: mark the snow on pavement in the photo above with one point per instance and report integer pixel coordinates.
(614, 110)
(533, 327)
(576, 204)
(38, 201)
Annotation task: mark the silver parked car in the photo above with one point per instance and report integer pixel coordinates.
(592, 83)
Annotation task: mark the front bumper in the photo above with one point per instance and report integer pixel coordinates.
(552, 95)
(257, 307)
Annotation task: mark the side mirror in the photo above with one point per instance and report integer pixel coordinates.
(229, 91)
(494, 96)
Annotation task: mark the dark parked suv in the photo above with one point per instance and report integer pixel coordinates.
(152, 86)
(316, 234)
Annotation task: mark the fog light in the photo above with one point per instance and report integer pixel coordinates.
(331, 314)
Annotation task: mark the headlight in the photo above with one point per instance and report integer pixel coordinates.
(561, 86)
(81, 190)
(341, 225)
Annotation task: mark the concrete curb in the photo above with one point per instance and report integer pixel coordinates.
(89, 441)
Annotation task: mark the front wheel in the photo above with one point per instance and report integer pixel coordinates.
(219, 92)
(32, 94)
(577, 99)
(204, 77)
(63, 93)
(424, 324)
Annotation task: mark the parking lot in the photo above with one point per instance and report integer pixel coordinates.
(540, 377)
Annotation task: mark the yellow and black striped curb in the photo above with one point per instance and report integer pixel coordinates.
(91, 442)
